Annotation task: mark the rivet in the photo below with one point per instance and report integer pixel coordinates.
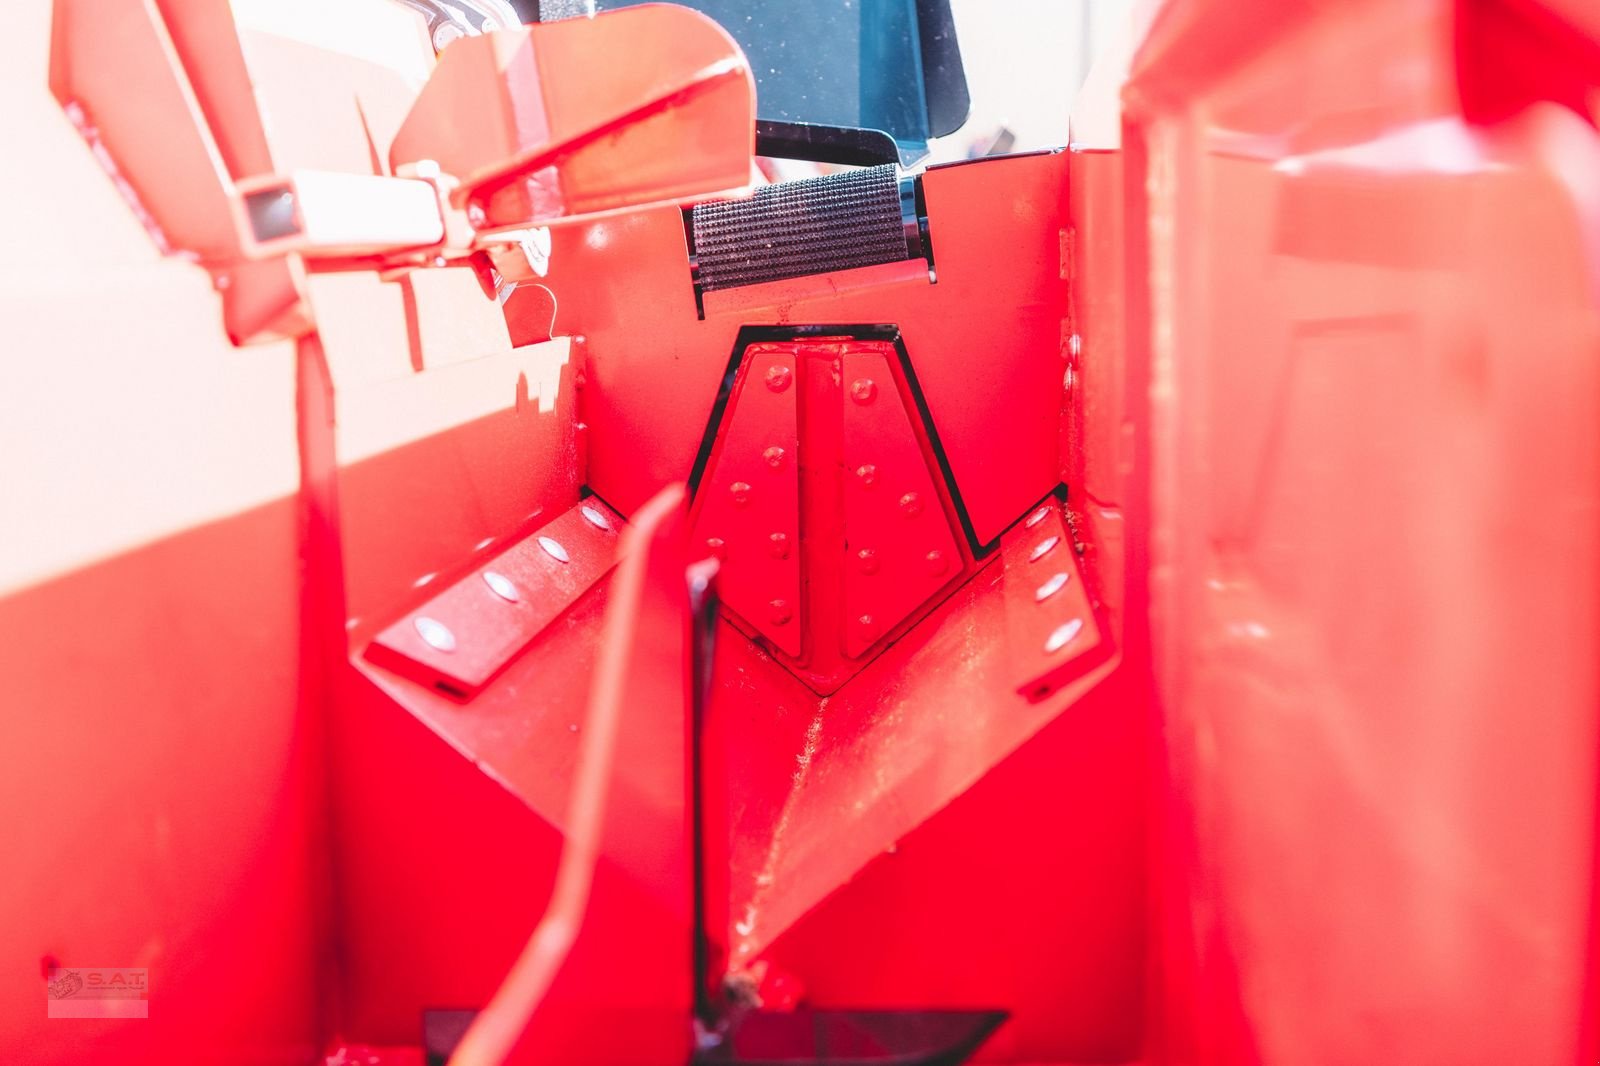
(1036, 517)
(435, 634)
(937, 562)
(780, 613)
(867, 473)
(778, 544)
(778, 378)
(911, 505)
(741, 492)
(1050, 587)
(501, 586)
(863, 390)
(1062, 635)
(868, 560)
(866, 621)
(554, 549)
(596, 517)
(717, 548)
(775, 457)
(1044, 547)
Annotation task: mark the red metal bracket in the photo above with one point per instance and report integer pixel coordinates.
(1054, 634)
(464, 636)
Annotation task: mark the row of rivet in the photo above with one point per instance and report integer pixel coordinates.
(1063, 634)
(438, 636)
(863, 391)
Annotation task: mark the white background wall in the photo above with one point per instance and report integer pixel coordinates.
(1025, 60)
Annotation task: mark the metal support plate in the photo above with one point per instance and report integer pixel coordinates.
(748, 511)
(458, 640)
(899, 548)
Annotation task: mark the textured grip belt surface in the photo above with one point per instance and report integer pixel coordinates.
(795, 228)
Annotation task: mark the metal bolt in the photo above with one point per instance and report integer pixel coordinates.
(717, 548)
(866, 622)
(1036, 517)
(867, 473)
(501, 586)
(868, 560)
(435, 634)
(780, 612)
(775, 457)
(778, 544)
(778, 378)
(937, 562)
(1043, 549)
(863, 390)
(741, 492)
(1062, 635)
(596, 517)
(1050, 587)
(911, 505)
(444, 33)
(555, 550)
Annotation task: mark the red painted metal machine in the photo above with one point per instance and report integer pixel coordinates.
(489, 578)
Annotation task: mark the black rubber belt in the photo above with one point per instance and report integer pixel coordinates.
(814, 226)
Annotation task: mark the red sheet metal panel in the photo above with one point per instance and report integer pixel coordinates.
(159, 770)
(1367, 325)
(918, 725)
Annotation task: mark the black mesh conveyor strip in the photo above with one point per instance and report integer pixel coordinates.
(795, 228)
